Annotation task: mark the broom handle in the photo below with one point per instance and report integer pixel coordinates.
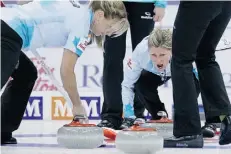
(53, 79)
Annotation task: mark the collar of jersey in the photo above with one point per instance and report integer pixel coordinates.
(91, 16)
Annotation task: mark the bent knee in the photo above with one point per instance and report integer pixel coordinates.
(205, 62)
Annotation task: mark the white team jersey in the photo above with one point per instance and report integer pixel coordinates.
(140, 60)
(50, 24)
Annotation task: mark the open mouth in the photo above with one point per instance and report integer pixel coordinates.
(160, 66)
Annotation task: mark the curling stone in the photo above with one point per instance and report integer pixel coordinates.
(80, 136)
(164, 126)
(138, 140)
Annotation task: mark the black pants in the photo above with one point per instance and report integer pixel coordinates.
(146, 92)
(197, 30)
(17, 92)
(115, 49)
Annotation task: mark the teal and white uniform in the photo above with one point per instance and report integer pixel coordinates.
(139, 60)
(50, 24)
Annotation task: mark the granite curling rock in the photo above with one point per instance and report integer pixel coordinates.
(80, 136)
(138, 140)
(164, 126)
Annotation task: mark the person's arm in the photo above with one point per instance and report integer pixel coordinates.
(68, 77)
(72, 51)
(78, 38)
(159, 10)
(160, 3)
(131, 75)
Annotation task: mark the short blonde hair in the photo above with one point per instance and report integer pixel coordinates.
(160, 38)
(112, 10)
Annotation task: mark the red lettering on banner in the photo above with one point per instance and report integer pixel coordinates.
(43, 83)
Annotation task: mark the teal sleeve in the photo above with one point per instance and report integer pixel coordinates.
(161, 3)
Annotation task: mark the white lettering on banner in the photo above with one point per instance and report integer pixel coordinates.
(33, 108)
(62, 109)
(91, 107)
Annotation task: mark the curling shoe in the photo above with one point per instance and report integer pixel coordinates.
(193, 141)
(225, 132)
(6, 138)
(209, 130)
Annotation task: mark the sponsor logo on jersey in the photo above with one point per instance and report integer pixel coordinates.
(61, 110)
(146, 16)
(129, 63)
(83, 42)
(34, 109)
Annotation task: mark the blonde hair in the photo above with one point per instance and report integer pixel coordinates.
(160, 38)
(112, 10)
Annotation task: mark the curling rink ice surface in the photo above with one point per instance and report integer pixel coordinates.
(39, 137)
